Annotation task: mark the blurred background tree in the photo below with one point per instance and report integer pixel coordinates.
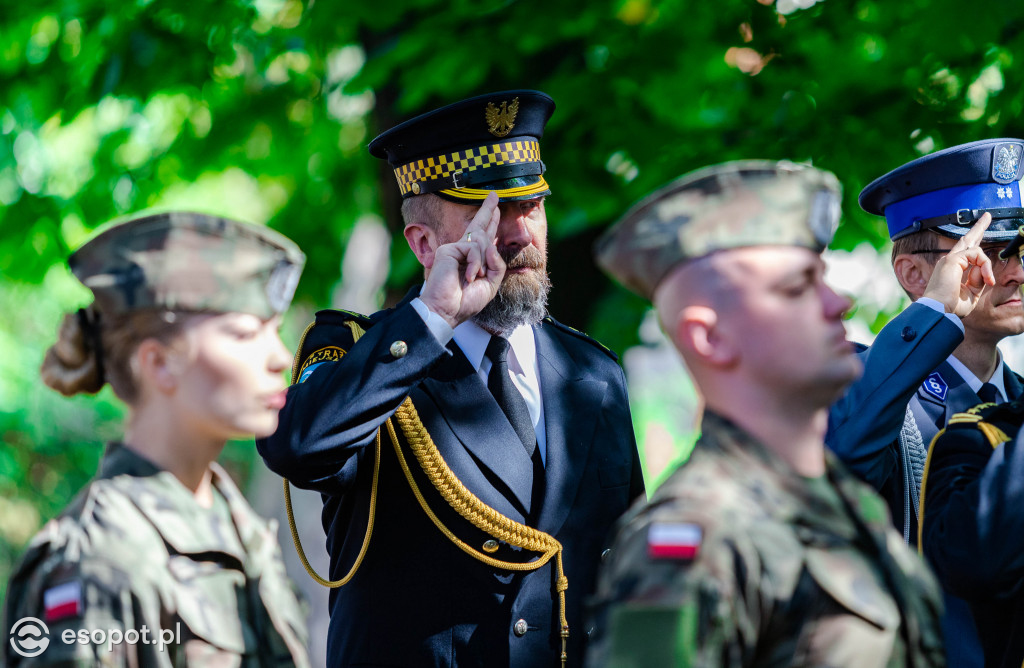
(261, 110)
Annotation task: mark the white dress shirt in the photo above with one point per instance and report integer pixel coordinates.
(522, 360)
(974, 382)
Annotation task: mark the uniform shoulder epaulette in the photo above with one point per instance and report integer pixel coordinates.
(997, 422)
(580, 335)
(326, 339)
(338, 316)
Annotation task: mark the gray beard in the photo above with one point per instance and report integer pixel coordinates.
(521, 300)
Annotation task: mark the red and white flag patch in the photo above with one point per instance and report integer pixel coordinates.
(674, 540)
(63, 601)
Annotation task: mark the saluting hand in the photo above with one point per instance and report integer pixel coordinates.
(960, 276)
(466, 274)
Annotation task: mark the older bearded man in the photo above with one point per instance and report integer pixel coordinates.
(486, 447)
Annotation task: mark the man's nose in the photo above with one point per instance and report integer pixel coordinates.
(836, 305)
(1012, 271)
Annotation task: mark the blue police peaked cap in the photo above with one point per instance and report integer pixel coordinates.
(465, 150)
(947, 191)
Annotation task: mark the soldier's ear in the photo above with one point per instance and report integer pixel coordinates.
(423, 241)
(700, 336)
(913, 273)
(157, 366)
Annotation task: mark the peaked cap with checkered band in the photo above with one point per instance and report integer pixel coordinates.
(465, 150)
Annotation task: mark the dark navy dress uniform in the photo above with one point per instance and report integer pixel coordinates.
(973, 523)
(421, 597)
(418, 600)
(882, 427)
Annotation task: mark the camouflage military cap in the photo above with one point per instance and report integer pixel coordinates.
(731, 205)
(189, 262)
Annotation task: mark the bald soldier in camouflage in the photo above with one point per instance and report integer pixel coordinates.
(762, 550)
(160, 561)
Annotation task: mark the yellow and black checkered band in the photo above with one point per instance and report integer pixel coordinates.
(460, 170)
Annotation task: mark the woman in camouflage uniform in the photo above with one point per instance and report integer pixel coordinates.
(160, 561)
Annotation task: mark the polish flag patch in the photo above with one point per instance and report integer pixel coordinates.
(674, 540)
(63, 601)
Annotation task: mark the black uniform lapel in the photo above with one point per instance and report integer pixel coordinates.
(475, 419)
(572, 404)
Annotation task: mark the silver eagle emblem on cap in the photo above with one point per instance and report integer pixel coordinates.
(1006, 163)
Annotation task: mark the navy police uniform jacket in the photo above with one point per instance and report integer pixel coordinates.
(868, 426)
(973, 524)
(418, 599)
(884, 424)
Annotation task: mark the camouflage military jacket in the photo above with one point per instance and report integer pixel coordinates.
(738, 561)
(134, 557)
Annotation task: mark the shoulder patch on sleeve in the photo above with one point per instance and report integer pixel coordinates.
(580, 335)
(325, 339)
(63, 601)
(318, 357)
(674, 540)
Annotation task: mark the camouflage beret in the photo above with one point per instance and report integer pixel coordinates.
(189, 262)
(731, 205)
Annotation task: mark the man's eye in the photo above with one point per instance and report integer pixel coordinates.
(796, 290)
(245, 334)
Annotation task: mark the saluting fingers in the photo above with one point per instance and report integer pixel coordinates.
(485, 239)
(974, 235)
(479, 226)
(480, 233)
(474, 259)
(967, 251)
(495, 217)
(977, 267)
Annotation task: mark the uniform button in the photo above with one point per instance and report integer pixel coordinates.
(491, 545)
(520, 628)
(399, 349)
(605, 553)
(908, 333)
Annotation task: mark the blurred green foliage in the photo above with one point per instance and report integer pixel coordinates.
(261, 110)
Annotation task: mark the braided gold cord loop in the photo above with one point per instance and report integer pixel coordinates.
(357, 332)
(334, 584)
(456, 495)
(475, 511)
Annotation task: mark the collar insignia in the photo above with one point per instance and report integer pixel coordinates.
(936, 386)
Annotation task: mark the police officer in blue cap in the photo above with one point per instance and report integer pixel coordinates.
(471, 451)
(954, 217)
(972, 527)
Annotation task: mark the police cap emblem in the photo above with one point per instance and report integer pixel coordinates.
(501, 121)
(1005, 162)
